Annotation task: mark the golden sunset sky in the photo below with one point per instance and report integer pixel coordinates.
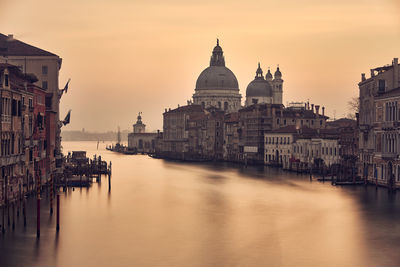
(126, 56)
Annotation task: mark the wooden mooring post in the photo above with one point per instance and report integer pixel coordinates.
(3, 227)
(24, 210)
(58, 213)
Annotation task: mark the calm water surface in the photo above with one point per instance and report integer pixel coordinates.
(162, 213)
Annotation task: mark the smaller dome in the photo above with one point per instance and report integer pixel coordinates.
(259, 87)
(278, 73)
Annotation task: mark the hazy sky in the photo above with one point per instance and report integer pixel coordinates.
(126, 56)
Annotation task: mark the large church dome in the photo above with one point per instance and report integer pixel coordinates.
(259, 87)
(217, 76)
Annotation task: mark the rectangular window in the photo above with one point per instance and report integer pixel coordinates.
(381, 85)
(14, 109)
(44, 85)
(45, 70)
(6, 80)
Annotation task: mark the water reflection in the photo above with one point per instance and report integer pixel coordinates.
(165, 213)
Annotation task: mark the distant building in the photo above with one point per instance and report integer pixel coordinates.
(217, 86)
(139, 140)
(379, 125)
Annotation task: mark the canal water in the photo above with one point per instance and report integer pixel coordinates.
(165, 213)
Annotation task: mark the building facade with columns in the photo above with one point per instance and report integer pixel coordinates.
(379, 126)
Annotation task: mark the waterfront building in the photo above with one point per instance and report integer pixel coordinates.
(268, 90)
(22, 135)
(300, 148)
(232, 135)
(217, 85)
(255, 120)
(205, 135)
(175, 130)
(139, 140)
(378, 120)
(45, 66)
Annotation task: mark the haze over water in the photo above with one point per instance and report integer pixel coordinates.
(163, 213)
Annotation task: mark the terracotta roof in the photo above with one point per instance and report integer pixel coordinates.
(13, 47)
(187, 108)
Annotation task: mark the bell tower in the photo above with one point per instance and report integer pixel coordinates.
(139, 127)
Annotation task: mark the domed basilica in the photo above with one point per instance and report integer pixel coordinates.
(218, 87)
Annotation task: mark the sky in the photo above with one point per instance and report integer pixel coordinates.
(126, 56)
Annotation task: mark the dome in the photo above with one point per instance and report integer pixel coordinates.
(217, 77)
(259, 87)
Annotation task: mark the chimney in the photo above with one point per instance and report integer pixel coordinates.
(372, 73)
(308, 105)
(312, 107)
(363, 77)
(305, 105)
(317, 109)
(10, 37)
(323, 111)
(396, 79)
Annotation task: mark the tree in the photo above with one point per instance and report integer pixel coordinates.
(353, 107)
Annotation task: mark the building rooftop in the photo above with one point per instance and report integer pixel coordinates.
(13, 47)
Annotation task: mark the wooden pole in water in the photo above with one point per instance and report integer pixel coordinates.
(24, 211)
(109, 182)
(51, 194)
(13, 215)
(58, 213)
(38, 209)
(3, 228)
(38, 217)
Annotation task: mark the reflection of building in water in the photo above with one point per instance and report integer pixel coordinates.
(139, 140)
